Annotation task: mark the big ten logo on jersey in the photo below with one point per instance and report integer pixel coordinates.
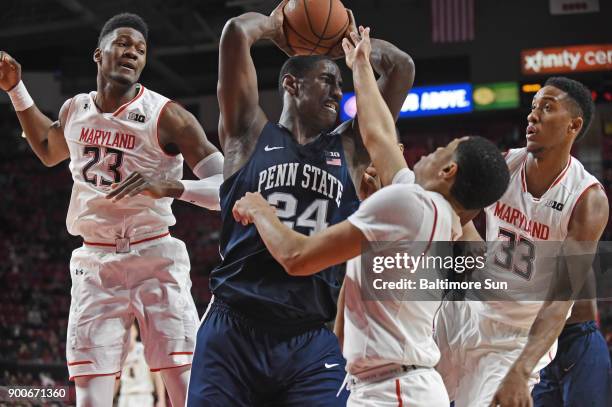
(554, 204)
(136, 117)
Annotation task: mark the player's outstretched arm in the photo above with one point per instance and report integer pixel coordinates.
(376, 124)
(44, 136)
(242, 119)
(180, 132)
(586, 226)
(300, 255)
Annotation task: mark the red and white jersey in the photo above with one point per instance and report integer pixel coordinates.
(530, 223)
(395, 331)
(135, 374)
(106, 148)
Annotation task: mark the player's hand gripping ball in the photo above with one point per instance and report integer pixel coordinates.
(316, 27)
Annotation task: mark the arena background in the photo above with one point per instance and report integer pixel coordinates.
(452, 42)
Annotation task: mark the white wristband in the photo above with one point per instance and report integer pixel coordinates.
(204, 192)
(20, 97)
(210, 165)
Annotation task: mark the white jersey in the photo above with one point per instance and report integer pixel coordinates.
(534, 225)
(106, 148)
(381, 332)
(135, 374)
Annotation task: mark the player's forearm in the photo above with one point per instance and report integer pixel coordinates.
(284, 244)
(375, 122)
(36, 127)
(542, 335)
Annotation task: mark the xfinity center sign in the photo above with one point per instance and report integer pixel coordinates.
(424, 101)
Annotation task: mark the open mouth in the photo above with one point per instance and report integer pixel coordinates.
(331, 106)
(128, 65)
(531, 130)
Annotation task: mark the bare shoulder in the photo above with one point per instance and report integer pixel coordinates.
(174, 115)
(590, 215)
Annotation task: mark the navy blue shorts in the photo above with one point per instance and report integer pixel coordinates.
(240, 362)
(579, 375)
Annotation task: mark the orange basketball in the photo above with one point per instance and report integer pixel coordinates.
(314, 27)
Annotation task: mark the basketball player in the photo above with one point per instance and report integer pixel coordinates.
(263, 338)
(137, 381)
(492, 351)
(126, 136)
(388, 345)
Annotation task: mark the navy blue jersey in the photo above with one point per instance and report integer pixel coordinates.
(311, 187)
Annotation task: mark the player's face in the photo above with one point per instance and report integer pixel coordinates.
(122, 55)
(320, 93)
(429, 170)
(550, 120)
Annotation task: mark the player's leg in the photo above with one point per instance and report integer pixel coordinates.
(313, 370)
(161, 297)
(224, 362)
(176, 381)
(585, 374)
(94, 391)
(98, 324)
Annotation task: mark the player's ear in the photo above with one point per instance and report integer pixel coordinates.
(290, 84)
(575, 125)
(449, 171)
(97, 55)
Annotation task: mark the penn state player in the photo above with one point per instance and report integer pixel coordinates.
(263, 339)
(493, 351)
(129, 137)
(388, 344)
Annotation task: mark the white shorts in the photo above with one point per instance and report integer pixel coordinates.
(151, 283)
(418, 388)
(139, 400)
(477, 352)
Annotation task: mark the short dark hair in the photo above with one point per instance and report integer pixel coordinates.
(580, 96)
(124, 20)
(299, 66)
(482, 173)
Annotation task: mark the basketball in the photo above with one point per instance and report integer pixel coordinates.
(314, 27)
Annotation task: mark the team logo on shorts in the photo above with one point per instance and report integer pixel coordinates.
(554, 204)
(140, 118)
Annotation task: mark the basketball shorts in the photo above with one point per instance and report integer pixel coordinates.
(240, 362)
(580, 373)
(477, 352)
(150, 283)
(419, 388)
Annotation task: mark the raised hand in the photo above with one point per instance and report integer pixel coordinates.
(10, 72)
(277, 18)
(358, 46)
